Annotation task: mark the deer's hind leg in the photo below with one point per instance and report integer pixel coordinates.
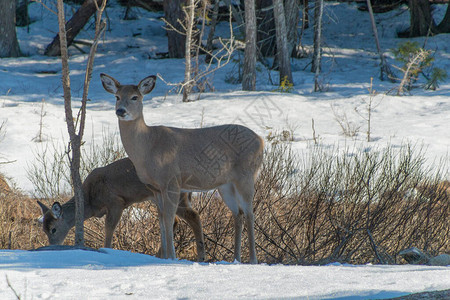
(246, 191)
(191, 216)
(229, 195)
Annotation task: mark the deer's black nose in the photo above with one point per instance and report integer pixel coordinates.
(120, 112)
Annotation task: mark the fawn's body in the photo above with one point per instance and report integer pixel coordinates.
(108, 191)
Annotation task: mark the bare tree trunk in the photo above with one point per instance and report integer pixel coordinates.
(194, 76)
(305, 25)
(318, 13)
(249, 70)
(283, 53)
(75, 139)
(9, 46)
(176, 41)
(74, 26)
(189, 15)
(292, 15)
(422, 22)
(305, 13)
(383, 64)
(75, 142)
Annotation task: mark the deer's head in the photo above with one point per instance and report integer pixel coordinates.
(53, 223)
(129, 97)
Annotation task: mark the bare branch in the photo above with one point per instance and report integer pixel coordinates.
(221, 57)
(12, 289)
(44, 5)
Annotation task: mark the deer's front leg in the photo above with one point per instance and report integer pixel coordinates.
(167, 207)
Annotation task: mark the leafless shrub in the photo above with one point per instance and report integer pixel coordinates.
(355, 207)
(50, 172)
(2, 130)
(102, 153)
(2, 137)
(346, 205)
(39, 138)
(18, 222)
(368, 109)
(348, 128)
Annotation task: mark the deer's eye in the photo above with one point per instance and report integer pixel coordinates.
(134, 98)
(117, 98)
(53, 230)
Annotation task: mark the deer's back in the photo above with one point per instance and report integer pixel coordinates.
(115, 184)
(209, 157)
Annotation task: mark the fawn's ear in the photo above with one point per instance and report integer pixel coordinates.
(109, 84)
(147, 84)
(44, 208)
(57, 210)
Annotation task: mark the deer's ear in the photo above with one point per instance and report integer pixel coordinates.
(44, 208)
(56, 210)
(147, 84)
(109, 84)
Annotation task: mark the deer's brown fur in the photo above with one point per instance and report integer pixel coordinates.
(175, 160)
(108, 191)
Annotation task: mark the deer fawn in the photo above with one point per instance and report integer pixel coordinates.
(109, 190)
(175, 160)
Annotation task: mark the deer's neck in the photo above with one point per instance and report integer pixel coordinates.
(136, 137)
(68, 209)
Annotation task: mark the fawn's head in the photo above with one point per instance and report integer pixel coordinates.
(129, 97)
(53, 223)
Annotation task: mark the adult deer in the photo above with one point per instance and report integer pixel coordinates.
(109, 190)
(176, 160)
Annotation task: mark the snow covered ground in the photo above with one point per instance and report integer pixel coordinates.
(113, 274)
(350, 60)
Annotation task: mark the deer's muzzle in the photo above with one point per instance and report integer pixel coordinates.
(121, 112)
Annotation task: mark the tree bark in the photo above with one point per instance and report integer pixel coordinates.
(283, 53)
(305, 14)
(173, 14)
(292, 15)
(315, 68)
(421, 21)
(73, 26)
(189, 15)
(249, 70)
(75, 142)
(383, 64)
(75, 139)
(9, 46)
